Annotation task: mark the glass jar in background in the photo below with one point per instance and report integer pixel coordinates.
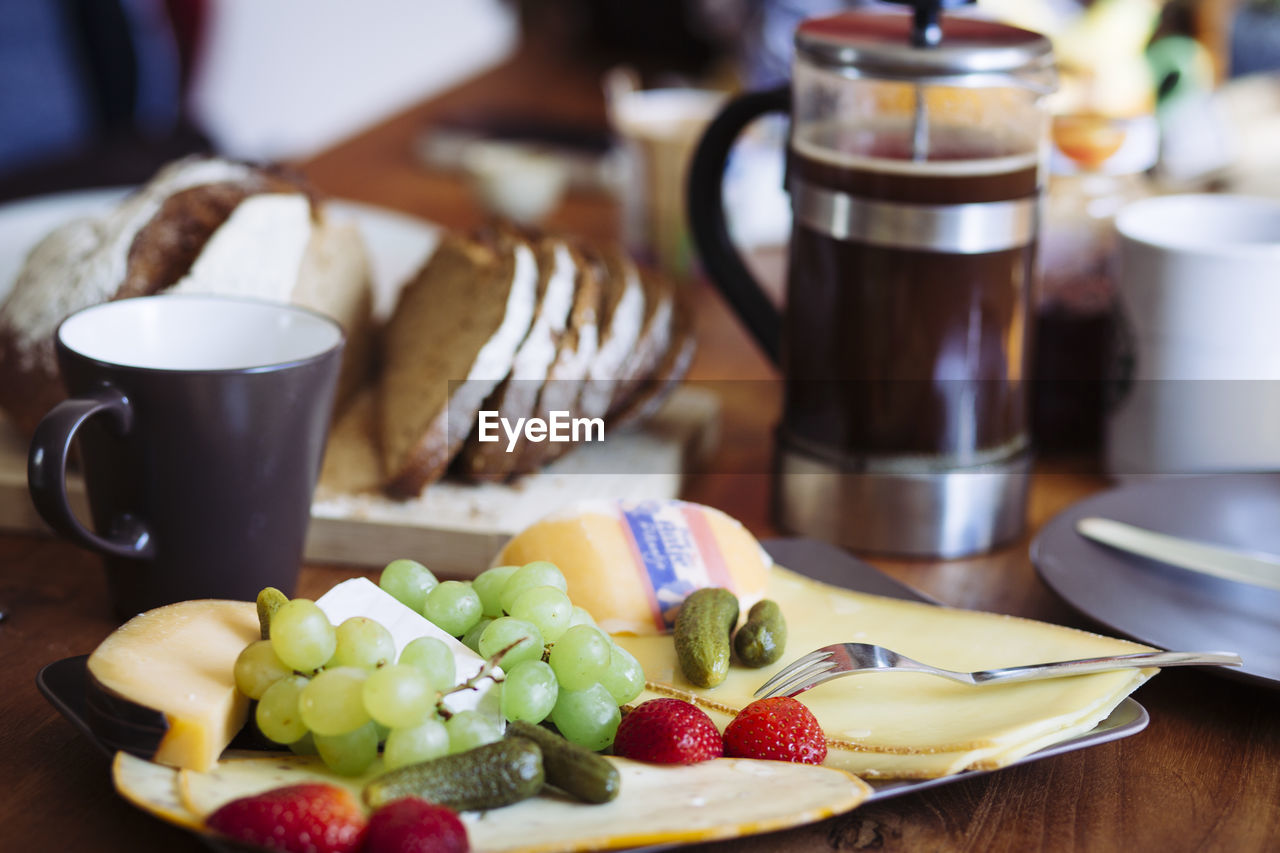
(1098, 165)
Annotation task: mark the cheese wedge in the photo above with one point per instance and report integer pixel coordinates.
(909, 725)
(178, 660)
(631, 563)
(362, 597)
(725, 798)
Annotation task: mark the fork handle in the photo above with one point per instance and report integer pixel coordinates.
(1038, 671)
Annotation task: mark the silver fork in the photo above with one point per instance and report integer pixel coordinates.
(844, 659)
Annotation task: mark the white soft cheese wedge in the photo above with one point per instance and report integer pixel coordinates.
(362, 597)
(179, 660)
(725, 798)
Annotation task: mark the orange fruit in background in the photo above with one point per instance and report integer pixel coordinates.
(1088, 139)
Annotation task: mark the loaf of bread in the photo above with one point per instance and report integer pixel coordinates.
(201, 225)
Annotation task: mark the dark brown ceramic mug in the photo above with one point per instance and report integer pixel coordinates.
(201, 423)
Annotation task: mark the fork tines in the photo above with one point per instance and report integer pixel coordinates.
(799, 675)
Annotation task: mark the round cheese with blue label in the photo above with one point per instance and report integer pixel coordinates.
(632, 563)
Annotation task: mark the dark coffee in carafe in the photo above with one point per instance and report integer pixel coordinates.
(913, 171)
(901, 350)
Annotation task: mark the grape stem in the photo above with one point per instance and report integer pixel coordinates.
(473, 683)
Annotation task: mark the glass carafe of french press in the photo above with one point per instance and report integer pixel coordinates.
(915, 170)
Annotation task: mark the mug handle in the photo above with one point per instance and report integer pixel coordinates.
(47, 474)
(720, 258)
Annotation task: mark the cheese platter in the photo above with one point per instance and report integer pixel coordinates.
(151, 786)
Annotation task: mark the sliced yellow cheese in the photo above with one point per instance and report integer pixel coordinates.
(152, 788)
(179, 661)
(909, 724)
(631, 563)
(656, 804)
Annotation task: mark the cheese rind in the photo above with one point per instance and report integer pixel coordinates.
(179, 660)
(631, 563)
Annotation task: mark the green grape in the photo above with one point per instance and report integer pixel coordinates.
(453, 607)
(538, 573)
(469, 729)
(529, 692)
(257, 668)
(333, 703)
(425, 741)
(504, 631)
(434, 658)
(306, 745)
(581, 616)
(399, 696)
(624, 677)
(364, 643)
(488, 585)
(277, 715)
(382, 731)
(301, 635)
(471, 639)
(349, 754)
(408, 582)
(549, 609)
(587, 717)
(581, 657)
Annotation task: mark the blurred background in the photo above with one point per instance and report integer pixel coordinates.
(1156, 96)
(101, 91)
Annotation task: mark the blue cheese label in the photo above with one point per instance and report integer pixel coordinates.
(675, 547)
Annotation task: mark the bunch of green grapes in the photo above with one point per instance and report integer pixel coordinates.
(558, 665)
(341, 692)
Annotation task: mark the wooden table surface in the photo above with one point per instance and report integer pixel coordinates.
(1204, 776)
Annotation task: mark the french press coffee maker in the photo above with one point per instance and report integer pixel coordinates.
(915, 170)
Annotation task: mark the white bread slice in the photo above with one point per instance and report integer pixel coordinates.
(452, 338)
(201, 224)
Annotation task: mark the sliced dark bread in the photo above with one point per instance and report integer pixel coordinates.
(655, 335)
(574, 357)
(622, 314)
(452, 338)
(517, 395)
(645, 397)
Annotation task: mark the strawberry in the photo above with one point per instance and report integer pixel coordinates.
(413, 825)
(781, 729)
(668, 731)
(309, 818)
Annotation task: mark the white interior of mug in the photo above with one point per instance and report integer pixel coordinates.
(1211, 224)
(191, 332)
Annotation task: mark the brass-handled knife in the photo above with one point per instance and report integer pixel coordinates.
(1217, 560)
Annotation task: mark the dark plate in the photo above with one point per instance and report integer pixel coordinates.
(63, 682)
(1162, 605)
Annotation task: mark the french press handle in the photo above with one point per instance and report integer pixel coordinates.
(720, 258)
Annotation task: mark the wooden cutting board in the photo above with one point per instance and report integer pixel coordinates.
(456, 528)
